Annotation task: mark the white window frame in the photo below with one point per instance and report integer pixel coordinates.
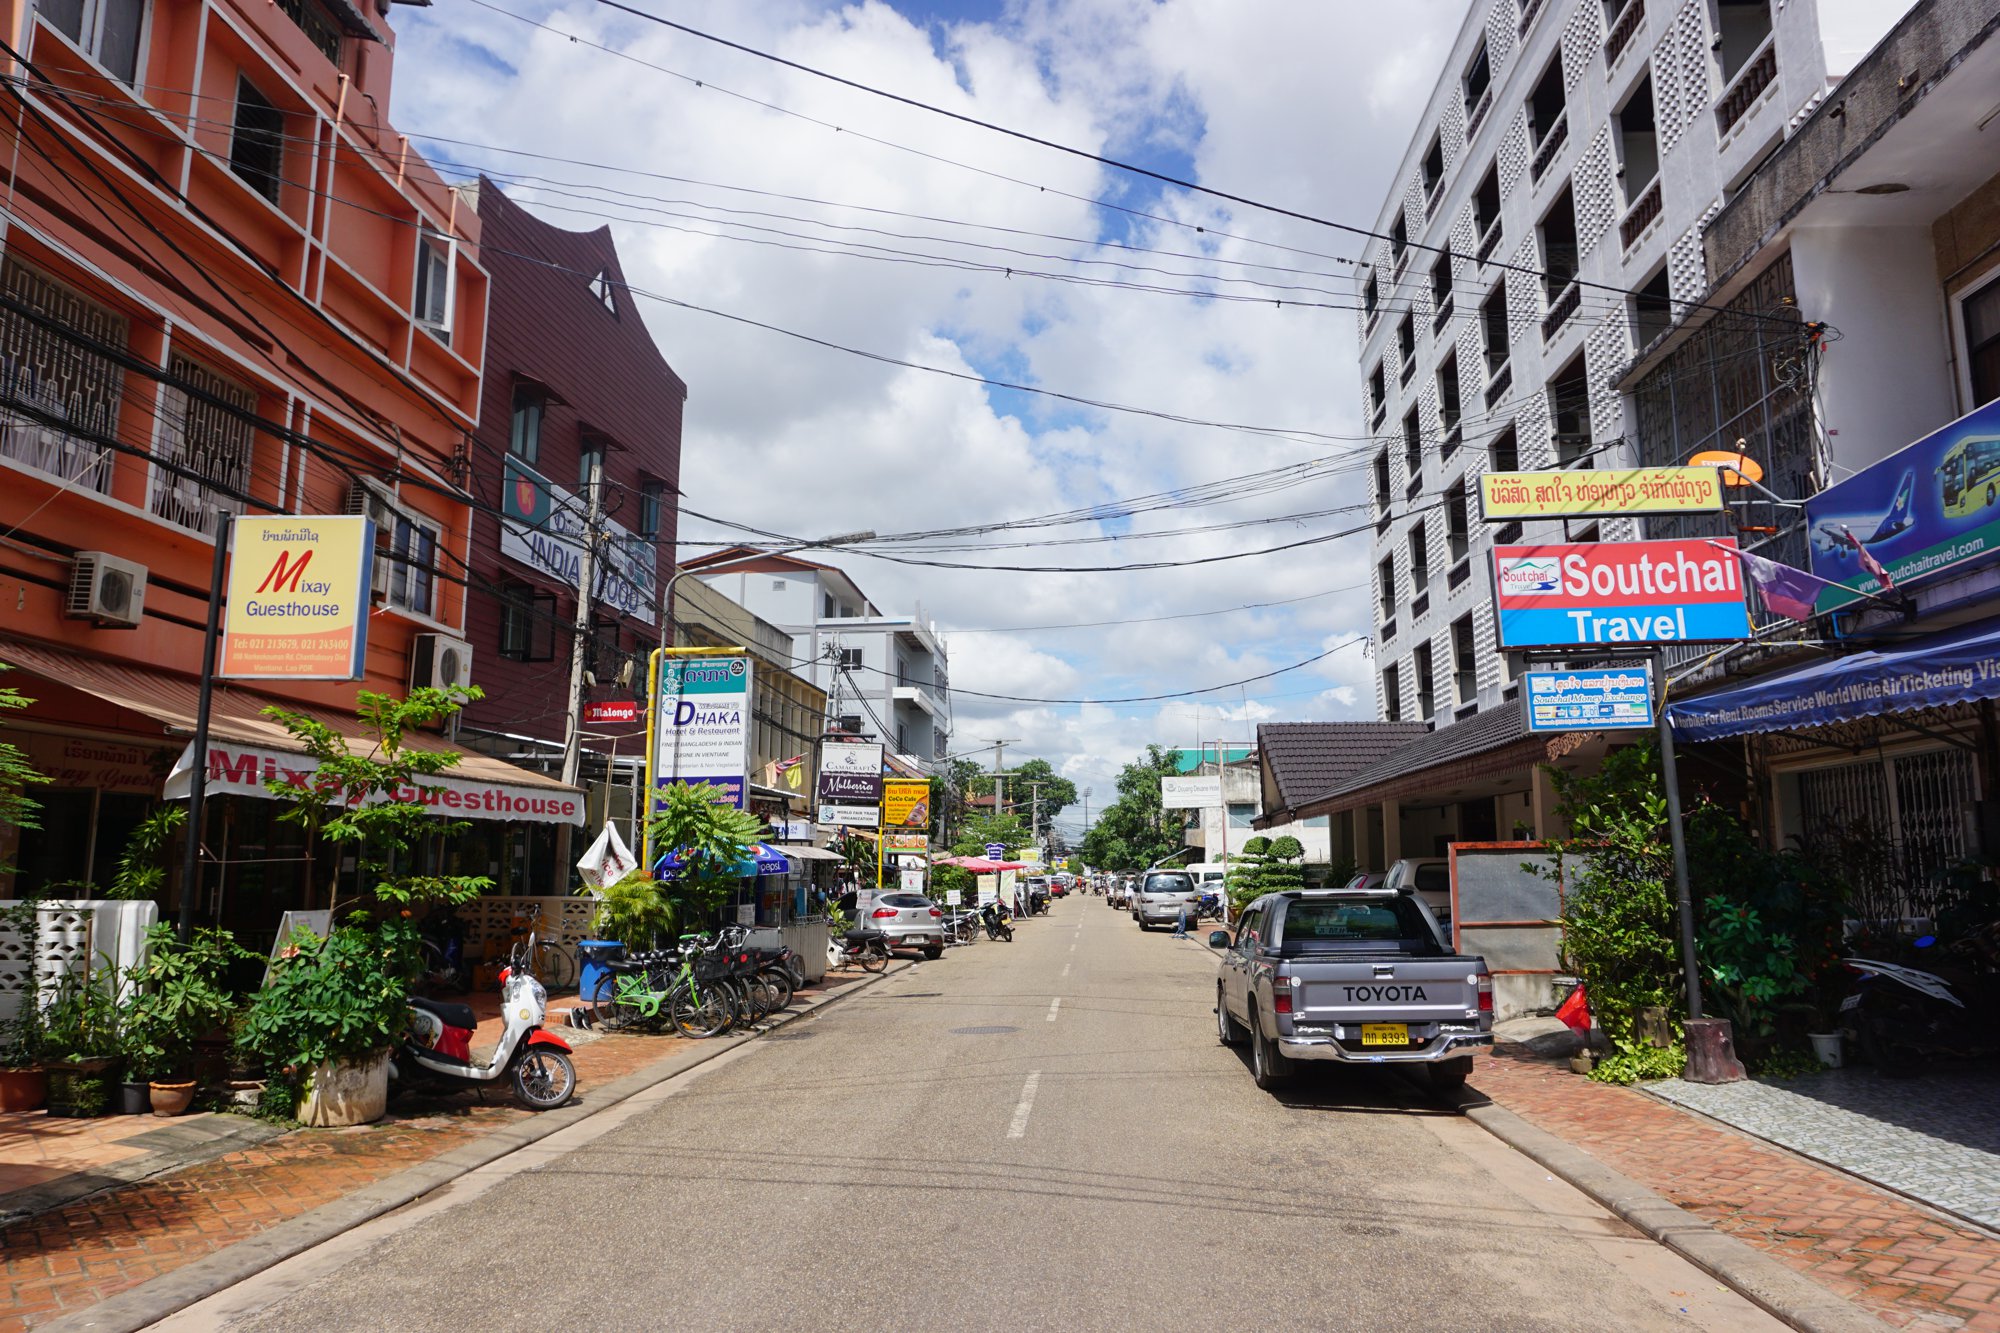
(435, 245)
(90, 37)
(1961, 337)
(405, 569)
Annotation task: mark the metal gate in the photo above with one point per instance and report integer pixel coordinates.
(1914, 807)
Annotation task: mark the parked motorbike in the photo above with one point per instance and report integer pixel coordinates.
(996, 923)
(436, 1049)
(1899, 1016)
(441, 937)
(1210, 908)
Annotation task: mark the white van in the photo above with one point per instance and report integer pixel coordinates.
(1208, 875)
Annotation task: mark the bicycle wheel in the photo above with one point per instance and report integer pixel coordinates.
(873, 958)
(781, 987)
(555, 966)
(608, 1004)
(697, 1013)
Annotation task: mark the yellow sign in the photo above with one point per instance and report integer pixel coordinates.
(298, 598)
(1589, 492)
(906, 803)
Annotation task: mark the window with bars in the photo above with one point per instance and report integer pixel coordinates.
(54, 392)
(203, 447)
(257, 146)
(1909, 810)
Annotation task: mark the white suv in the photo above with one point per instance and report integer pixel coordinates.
(1429, 877)
(1161, 895)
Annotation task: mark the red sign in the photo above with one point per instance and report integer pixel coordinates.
(1683, 591)
(614, 710)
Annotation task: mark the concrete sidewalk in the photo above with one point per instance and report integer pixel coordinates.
(1908, 1265)
(102, 1241)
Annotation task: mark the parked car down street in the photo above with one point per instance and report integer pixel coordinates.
(911, 921)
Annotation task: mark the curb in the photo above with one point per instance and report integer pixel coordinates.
(170, 1293)
(1786, 1295)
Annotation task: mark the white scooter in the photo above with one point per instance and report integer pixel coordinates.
(436, 1050)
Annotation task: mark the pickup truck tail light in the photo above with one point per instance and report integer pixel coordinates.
(1281, 994)
(1485, 992)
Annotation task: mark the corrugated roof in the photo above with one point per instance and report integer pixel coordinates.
(1494, 740)
(1303, 761)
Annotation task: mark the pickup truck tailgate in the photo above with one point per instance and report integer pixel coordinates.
(1410, 990)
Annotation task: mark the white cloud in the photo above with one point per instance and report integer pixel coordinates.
(1307, 106)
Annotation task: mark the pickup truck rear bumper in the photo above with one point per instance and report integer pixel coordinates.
(1323, 1046)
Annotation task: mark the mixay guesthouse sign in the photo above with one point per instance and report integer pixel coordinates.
(541, 525)
(298, 598)
(1559, 596)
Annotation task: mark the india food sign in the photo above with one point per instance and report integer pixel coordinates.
(298, 598)
(701, 726)
(542, 526)
(1563, 596)
(1642, 490)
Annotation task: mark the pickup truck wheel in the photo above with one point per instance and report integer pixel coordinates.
(1227, 1029)
(1448, 1076)
(1268, 1069)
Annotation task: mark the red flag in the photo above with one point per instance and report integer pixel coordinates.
(1575, 1011)
(1868, 560)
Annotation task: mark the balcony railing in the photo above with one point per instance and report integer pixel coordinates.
(1560, 310)
(1453, 437)
(1529, 9)
(1388, 629)
(1640, 216)
(1409, 366)
(319, 29)
(1460, 572)
(1416, 482)
(1623, 29)
(1443, 314)
(1380, 414)
(1497, 386)
(1421, 603)
(1476, 113)
(1489, 242)
(1551, 144)
(1747, 87)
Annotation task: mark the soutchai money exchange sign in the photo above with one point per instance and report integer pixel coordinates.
(1559, 596)
(1574, 494)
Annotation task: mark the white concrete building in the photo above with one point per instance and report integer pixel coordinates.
(1546, 219)
(886, 677)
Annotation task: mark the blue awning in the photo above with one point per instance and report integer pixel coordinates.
(1950, 667)
(763, 859)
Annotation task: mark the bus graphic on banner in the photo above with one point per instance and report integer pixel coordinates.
(1560, 596)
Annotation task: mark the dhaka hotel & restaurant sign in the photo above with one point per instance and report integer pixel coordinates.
(297, 605)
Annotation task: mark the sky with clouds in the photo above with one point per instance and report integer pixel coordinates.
(759, 192)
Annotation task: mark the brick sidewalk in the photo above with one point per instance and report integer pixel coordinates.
(77, 1255)
(1902, 1263)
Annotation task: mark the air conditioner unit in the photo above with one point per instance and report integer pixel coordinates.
(106, 589)
(438, 661)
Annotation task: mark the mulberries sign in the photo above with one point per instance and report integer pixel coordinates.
(700, 731)
(1559, 596)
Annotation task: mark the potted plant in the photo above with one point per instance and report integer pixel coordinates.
(330, 1015)
(176, 996)
(24, 1083)
(81, 1026)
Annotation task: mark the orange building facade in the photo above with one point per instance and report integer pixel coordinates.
(227, 285)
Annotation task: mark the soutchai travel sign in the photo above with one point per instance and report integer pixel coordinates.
(1577, 493)
(1559, 596)
(298, 598)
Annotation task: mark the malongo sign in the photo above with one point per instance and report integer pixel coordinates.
(1559, 596)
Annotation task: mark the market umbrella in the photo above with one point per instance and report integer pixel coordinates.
(759, 859)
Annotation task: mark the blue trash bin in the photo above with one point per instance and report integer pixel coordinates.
(593, 955)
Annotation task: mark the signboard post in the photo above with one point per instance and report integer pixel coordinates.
(1598, 699)
(698, 729)
(1590, 594)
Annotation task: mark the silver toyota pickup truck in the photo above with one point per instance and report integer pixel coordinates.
(1361, 976)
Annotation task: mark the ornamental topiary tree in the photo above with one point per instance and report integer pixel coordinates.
(1245, 883)
(1284, 865)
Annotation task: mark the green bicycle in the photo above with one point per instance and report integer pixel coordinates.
(648, 991)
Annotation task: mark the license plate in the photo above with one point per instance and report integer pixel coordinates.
(1385, 1034)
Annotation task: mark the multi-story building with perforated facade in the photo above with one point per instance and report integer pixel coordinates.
(1545, 225)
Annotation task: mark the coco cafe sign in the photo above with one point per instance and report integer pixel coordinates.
(542, 526)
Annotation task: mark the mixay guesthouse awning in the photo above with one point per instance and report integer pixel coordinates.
(1953, 666)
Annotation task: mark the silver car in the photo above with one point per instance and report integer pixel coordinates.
(1162, 895)
(910, 920)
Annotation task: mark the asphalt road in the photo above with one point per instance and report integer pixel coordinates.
(1042, 1134)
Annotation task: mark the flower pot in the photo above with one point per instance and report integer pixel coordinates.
(171, 1099)
(134, 1098)
(346, 1092)
(1826, 1045)
(23, 1089)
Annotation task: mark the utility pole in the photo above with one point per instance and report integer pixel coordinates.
(1000, 778)
(586, 574)
(1035, 813)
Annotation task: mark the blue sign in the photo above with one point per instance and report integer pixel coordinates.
(1600, 699)
(996, 851)
(1924, 508)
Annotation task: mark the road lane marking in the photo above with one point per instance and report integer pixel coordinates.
(1065, 969)
(1055, 1004)
(1072, 948)
(1019, 1126)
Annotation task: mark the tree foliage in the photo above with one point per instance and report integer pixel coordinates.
(1042, 803)
(17, 775)
(1135, 832)
(709, 840)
